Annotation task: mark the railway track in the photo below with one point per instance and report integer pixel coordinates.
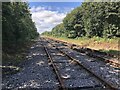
(91, 53)
(103, 84)
(55, 69)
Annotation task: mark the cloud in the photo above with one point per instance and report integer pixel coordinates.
(45, 19)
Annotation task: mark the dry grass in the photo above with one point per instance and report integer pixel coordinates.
(93, 43)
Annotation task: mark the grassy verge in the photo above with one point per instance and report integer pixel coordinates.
(11, 61)
(111, 46)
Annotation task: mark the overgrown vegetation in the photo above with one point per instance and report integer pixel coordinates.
(97, 43)
(91, 19)
(18, 30)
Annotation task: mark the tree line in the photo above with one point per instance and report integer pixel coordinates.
(17, 25)
(99, 19)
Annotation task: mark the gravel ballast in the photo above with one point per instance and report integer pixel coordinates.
(36, 72)
(73, 75)
(102, 69)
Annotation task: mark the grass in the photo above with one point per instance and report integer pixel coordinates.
(11, 61)
(110, 46)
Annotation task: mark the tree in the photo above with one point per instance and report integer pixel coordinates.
(17, 25)
(101, 19)
(73, 22)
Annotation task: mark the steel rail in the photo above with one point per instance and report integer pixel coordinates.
(55, 69)
(101, 58)
(93, 73)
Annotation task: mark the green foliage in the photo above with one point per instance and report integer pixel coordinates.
(92, 19)
(72, 34)
(57, 31)
(73, 22)
(17, 25)
(46, 33)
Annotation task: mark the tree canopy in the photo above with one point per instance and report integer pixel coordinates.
(101, 19)
(17, 25)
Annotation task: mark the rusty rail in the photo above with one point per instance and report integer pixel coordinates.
(89, 54)
(55, 69)
(100, 78)
(93, 73)
(108, 84)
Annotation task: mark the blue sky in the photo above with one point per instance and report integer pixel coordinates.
(47, 15)
(64, 6)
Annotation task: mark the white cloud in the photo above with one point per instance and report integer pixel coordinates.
(45, 19)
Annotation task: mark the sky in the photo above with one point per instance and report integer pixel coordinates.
(47, 15)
